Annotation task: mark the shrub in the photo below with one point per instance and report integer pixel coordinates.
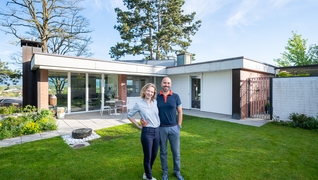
(47, 123)
(28, 109)
(30, 123)
(31, 128)
(9, 110)
(42, 114)
(12, 127)
(303, 121)
(299, 120)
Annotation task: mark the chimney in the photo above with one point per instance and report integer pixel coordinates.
(184, 58)
(29, 78)
(31, 43)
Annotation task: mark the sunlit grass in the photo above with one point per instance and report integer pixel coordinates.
(210, 149)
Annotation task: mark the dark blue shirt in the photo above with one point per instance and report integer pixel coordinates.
(168, 108)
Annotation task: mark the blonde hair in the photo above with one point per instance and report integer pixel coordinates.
(144, 89)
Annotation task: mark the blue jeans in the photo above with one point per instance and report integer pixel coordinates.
(171, 133)
(150, 145)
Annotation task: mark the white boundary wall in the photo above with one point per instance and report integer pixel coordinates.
(295, 95)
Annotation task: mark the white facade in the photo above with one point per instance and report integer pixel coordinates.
(213, 77)
(217, 92)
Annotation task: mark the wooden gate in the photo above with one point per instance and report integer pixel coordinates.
(256, 95)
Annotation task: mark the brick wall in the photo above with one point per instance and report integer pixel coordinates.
(295, 95)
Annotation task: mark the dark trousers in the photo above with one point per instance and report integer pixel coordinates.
(150, 145)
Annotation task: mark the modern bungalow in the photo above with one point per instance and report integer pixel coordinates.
(235, 86)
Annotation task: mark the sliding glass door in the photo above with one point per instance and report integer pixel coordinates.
(78, 87)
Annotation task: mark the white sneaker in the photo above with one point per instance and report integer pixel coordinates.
(145, 177)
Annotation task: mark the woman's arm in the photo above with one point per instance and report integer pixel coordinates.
(135, 122)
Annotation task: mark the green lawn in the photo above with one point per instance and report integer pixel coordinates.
(209, 150)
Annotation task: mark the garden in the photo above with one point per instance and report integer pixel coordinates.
(210, 149)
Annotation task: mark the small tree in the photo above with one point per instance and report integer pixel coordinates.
(8, 76)
(296, 53)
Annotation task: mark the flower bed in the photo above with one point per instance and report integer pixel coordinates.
(29, 121)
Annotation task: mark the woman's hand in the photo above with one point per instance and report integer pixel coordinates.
(143, 122)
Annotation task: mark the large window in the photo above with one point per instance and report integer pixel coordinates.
(111, 85)
(135, 83)
(58, 84)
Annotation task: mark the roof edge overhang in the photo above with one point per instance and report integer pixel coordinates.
(221, 65)
(77, 64)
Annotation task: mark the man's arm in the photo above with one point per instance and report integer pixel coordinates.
(179, 110)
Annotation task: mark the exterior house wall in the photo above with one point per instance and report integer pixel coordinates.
(43, 86)
(181, 85)
(294, 95)
(217, 92)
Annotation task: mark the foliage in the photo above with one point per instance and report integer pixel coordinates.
(47, 123)
(208, 147)
(12, 126)
(6, 110)
(296, 53)
(29, 123)
(300, 120)
(31, 128)
(7, 75)
(313, 51)
(29, 110)
(159, 27)
(288, 74)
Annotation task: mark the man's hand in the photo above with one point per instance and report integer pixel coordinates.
(143, 122)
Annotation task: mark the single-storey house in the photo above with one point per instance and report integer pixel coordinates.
(81, 84)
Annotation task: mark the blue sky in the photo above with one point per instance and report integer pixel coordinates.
(256, 29)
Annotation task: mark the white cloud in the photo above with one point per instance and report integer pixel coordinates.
(6, 53)
(279, 3)
(203, 8)
(107, 5)
(246, 12)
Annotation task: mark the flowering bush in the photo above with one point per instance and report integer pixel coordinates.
(29, 123)
(31, 128)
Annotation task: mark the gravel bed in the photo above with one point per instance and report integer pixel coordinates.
(71, 141)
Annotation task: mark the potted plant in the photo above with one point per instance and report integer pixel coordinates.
(60, 112)
(267, 108)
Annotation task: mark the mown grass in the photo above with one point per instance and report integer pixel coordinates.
(210, 149)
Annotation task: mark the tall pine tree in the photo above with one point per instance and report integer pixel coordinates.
(158, 29)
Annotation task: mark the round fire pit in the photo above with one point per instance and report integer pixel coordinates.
(81, 133)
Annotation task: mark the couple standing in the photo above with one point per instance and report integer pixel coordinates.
(160, 124)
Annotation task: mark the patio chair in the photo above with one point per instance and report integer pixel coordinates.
(119, 106)
(103, 108)
(125, 107)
